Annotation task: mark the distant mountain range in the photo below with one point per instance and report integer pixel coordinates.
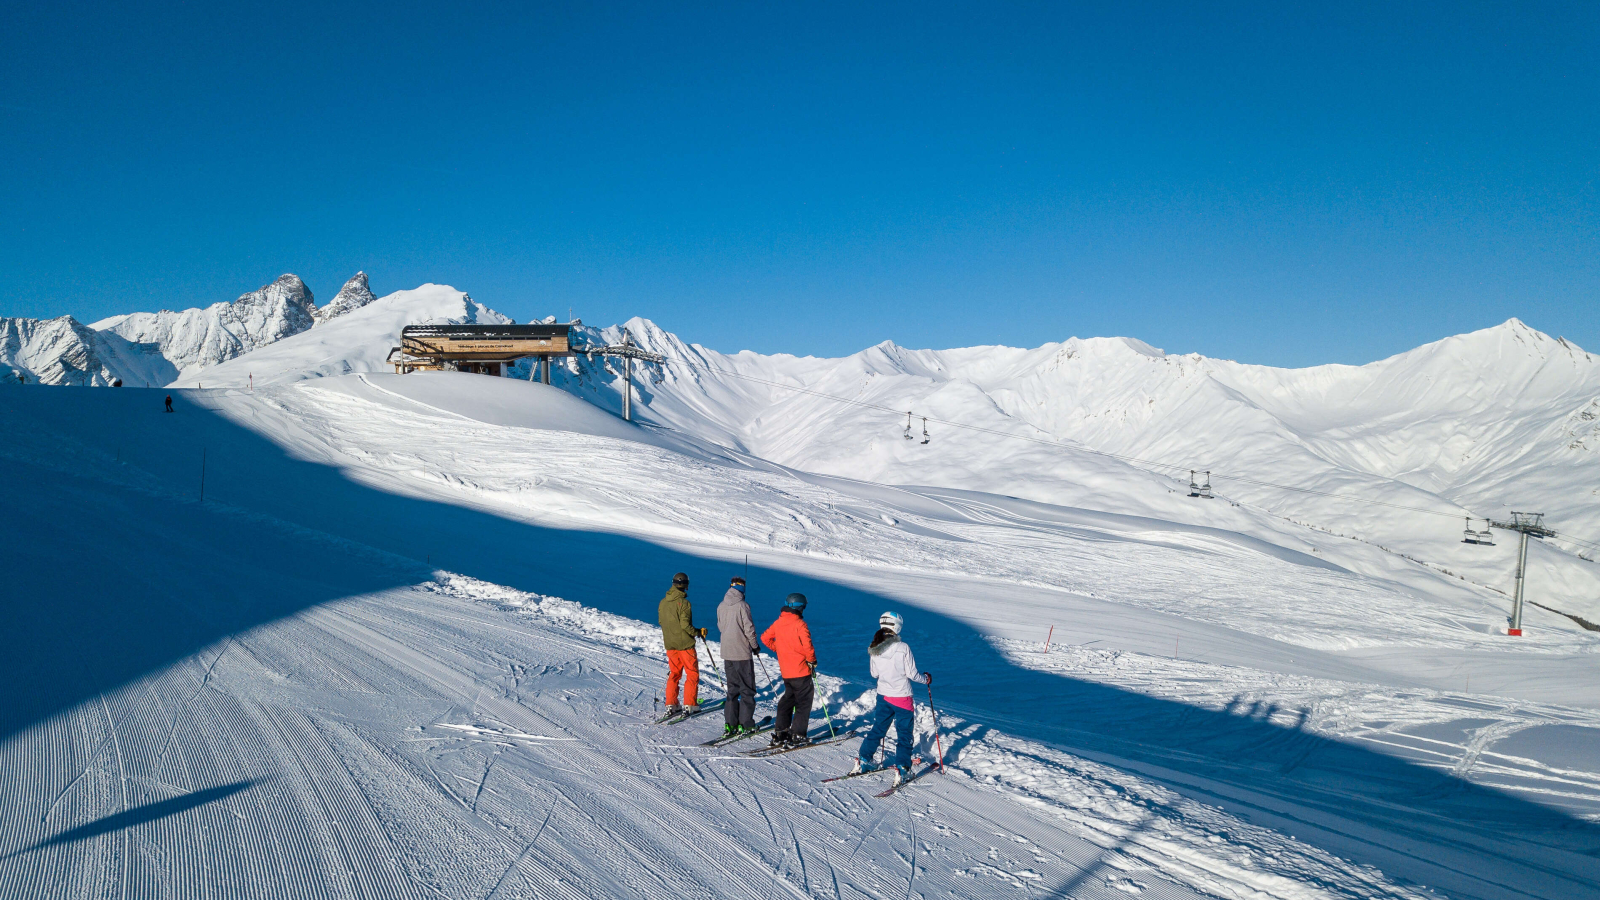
(1479, 424)
(156, 349)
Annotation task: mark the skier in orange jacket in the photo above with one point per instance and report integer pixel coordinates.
(790, 641)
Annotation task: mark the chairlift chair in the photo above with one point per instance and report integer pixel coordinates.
(907, 435)
(1470, 536)
(1486, 537)
(1194, 486)
(925, 436)
(1205, 487)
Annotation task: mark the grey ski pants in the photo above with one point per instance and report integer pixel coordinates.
(741, 706)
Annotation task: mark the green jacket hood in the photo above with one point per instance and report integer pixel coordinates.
(677, 621)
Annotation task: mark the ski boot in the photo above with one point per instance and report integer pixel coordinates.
(862, 767)
(901, 776)
(729, 731)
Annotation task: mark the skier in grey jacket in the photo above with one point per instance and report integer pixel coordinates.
(739, 649)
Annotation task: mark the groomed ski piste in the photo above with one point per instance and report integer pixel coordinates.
(405, 646)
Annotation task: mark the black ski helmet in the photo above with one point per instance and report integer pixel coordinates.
(680, 580)
(795, 602)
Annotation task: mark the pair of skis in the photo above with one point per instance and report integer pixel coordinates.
(765, 752)
(916, 761)
(762, 727)
(673, 718)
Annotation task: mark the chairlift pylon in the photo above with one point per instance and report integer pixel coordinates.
(925, 436)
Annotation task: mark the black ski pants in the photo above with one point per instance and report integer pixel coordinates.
(794, 708)
(741, 706)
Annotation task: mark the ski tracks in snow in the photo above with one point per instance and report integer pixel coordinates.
(339, 731)
(439, 741)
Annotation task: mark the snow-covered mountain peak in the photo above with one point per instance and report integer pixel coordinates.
(358, 341)
(355, 294)
(1121, 348)
(286, 298)
(196, 339)
(63, 351)
(1512, 341)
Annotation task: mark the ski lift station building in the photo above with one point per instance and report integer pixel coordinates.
(482, 349)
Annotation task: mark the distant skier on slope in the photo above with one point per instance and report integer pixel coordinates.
(169, 403)
(677, 635)
(739, 649)
(790, 641)
(895, 668)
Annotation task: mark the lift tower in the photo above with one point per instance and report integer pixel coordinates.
(1530, 525)
(628, 352)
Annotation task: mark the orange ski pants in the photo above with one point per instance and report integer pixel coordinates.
(683, 664)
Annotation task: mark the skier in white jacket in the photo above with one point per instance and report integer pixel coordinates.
(895, 668)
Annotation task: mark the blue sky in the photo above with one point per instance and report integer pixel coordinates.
(1263, 183)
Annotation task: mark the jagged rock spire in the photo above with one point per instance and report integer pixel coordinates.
(355, 294)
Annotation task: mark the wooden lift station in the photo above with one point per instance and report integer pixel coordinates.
(481, 349)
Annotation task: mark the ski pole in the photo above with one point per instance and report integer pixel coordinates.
(713, 660)
(774, 683)
(935, 712)
(831, 732)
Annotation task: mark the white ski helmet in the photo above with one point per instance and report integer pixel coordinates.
(891, 621)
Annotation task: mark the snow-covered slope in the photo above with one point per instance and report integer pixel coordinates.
(63, 351)
(405, 647)
(1451, 419)
(1499, 420)
(358, 341)
(195, 339)
(1396, 453)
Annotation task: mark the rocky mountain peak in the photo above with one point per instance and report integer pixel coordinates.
(281, 308)
(355, 294)
(194, 339)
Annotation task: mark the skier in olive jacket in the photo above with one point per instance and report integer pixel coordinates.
(677, 635)
(739, 649)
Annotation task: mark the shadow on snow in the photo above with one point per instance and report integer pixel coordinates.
(139, 815)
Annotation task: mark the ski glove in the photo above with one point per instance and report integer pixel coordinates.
(700, 631)
(927, 678)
